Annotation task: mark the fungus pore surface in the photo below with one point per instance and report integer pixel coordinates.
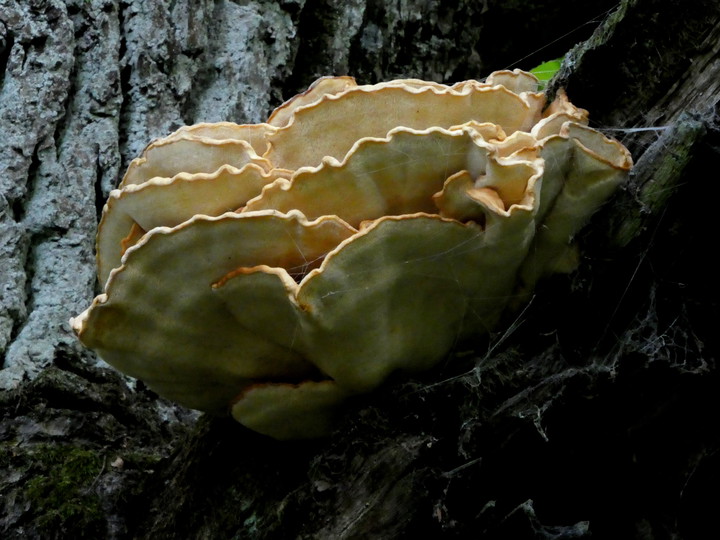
(274, 270)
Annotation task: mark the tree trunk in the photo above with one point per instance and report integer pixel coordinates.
(591, 412)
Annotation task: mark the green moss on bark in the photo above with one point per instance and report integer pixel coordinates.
(60, 491)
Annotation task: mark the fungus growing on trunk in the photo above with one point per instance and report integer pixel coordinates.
(274, 270)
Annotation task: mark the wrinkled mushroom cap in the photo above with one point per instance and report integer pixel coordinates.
(275, 270)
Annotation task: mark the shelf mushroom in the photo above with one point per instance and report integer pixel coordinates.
(275, 270)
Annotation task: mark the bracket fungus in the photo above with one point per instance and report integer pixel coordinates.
(274, 270)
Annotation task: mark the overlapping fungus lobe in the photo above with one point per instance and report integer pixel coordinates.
(274, 270)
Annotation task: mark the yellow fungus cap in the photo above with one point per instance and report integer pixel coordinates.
(275, 270)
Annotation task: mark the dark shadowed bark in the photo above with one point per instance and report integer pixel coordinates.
(591, 413)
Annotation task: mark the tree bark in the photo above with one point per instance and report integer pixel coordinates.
(591, 412)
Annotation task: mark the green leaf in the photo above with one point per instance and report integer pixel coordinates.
(545, 71)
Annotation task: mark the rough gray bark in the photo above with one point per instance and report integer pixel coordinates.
(593, 414)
